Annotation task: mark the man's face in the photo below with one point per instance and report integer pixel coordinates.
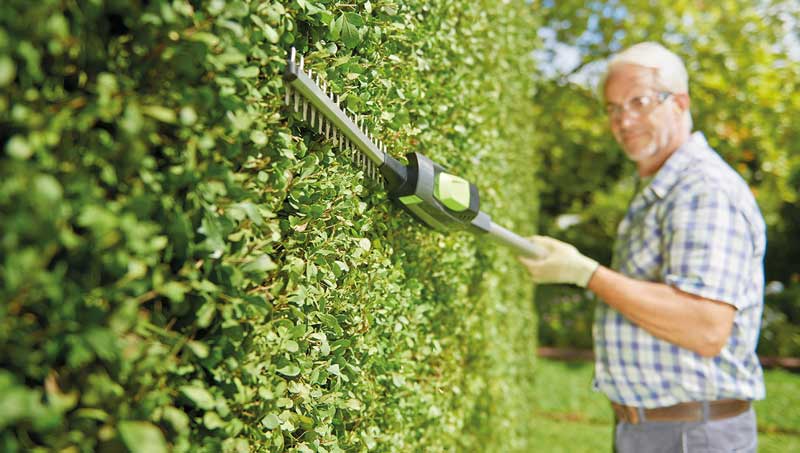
(640, 119)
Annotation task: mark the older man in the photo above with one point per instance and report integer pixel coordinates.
(675, 338)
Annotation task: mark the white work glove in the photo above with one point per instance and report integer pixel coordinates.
(562, 263)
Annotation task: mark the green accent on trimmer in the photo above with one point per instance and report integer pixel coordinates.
(410, 199)
(452, 191)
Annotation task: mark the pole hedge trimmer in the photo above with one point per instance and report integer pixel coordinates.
(440, 200)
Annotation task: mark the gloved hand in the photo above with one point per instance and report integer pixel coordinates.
(562, 263)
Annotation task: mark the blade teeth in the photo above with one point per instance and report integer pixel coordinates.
(372, 171)
(319, 122)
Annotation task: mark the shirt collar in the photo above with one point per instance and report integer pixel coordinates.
(669, 173)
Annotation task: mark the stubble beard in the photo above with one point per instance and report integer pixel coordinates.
(653, 146)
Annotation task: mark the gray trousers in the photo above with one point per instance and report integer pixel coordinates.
(734, 434)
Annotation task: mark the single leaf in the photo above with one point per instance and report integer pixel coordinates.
(260, 265)
(8, 70)
(212, 420)
(19, 148)
(270, 33)
(175, 291)
(330, 322)
(248, 72)
(163, 114)
(271, 421)
(291, 346)
(290, 370)
(336, 27)
(198, 348)
(142, 437)
(201, 397)
(350, 35)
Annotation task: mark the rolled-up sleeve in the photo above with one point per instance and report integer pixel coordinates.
(708, 247)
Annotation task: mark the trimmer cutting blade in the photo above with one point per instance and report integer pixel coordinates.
(440, 200)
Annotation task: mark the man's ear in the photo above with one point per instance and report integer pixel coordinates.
(683, 101)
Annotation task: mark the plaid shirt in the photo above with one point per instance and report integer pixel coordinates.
(696, 227)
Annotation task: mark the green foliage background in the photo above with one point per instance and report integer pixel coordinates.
(185, 267)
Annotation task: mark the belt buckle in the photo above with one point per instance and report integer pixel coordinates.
(627, 414)
(633, 415)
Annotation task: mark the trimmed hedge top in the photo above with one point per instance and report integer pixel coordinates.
(186, 267)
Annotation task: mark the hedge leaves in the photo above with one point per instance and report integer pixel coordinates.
(186, 267)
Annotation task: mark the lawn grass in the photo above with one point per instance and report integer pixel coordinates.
(570, 417)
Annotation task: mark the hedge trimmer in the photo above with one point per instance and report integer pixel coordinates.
(441, 200)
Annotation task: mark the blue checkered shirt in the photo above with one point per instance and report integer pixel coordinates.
(696, 227)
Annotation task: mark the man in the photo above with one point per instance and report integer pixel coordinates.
(675, 338)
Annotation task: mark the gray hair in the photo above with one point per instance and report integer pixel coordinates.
(670, 71)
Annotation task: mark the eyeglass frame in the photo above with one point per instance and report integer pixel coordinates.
(615, 111)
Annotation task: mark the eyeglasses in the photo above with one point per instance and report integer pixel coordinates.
(637, 106)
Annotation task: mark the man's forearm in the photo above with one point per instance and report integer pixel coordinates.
(692, 322)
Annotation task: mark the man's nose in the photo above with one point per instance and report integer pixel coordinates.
(626, 118)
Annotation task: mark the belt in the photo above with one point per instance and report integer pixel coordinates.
(682, 412)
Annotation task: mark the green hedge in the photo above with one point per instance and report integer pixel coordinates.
(186, 268)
